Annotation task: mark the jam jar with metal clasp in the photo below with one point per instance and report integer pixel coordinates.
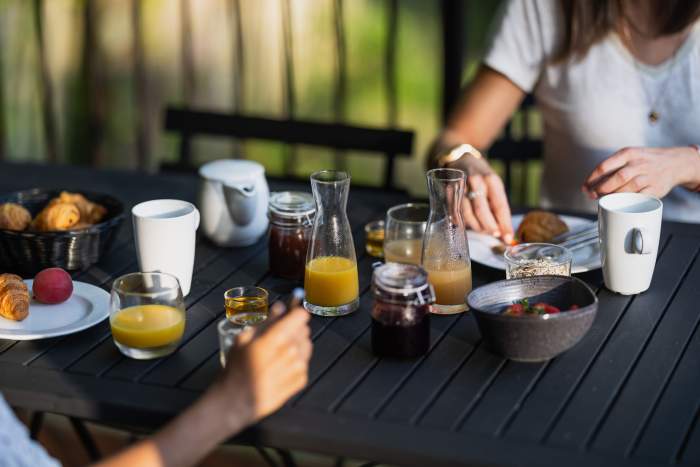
(291, 216)
(401, 310)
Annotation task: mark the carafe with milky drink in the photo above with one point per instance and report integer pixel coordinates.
(445, 249)
(330, 279)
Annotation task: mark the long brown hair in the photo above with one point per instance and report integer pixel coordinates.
(588, 21)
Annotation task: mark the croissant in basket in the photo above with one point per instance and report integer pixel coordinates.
(14, 217)
(57, 216)
(90, 213)
(14, 297)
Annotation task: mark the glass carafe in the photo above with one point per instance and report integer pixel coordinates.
(445, 250)
(330, 279)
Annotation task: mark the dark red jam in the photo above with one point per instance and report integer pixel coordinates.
(401, 310)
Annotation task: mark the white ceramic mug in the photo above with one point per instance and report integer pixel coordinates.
(629, 225)
(165, 234)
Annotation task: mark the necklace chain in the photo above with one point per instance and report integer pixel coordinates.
(653, 116)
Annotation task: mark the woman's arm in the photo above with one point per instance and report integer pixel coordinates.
(655, 171)
(261, 374)
(479, 116)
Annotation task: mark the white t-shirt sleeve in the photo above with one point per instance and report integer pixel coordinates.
(522, 40)
(17, 449)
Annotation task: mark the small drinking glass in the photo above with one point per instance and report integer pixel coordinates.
(228, 333)
(247, 305)
(537, 259)
(147, 314)
(374, 238)
(405, 227)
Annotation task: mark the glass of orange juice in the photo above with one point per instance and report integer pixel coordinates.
(147, 314)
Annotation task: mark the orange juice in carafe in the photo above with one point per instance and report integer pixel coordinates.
(331, 281)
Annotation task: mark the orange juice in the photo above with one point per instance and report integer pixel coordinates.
(451, 285)
(403, 251)
(331, 281)
(147, 326)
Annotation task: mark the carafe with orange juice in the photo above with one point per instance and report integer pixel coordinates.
(147, 314)
(331, 280)
(445, 253)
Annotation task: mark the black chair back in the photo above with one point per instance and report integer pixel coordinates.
(387, 143)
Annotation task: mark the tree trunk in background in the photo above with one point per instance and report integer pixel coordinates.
(2, 99)
(341, 73)
(48, 115)
(141, 102)
(288, 86)
(187, 56)
(88, 103)
(238, 71)
(96, 91)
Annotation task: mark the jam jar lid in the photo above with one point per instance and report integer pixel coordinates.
(402, 279)
(292, 205)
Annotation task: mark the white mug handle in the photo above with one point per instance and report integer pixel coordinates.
(641, 243)
(196, 218)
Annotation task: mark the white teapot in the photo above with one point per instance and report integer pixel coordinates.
(233, 199)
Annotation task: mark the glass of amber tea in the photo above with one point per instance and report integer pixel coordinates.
(247, 305)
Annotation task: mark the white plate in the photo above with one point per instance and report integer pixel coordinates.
(480, 247)
(85, 308)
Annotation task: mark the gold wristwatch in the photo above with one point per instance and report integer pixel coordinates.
(457, 153)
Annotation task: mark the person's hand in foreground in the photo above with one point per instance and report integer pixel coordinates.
(654, 171)
(266, 367)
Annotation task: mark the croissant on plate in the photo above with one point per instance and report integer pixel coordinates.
(14, 297)
(14, 217)
(57, 216)
(90, 213)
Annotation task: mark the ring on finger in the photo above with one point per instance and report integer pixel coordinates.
(475, 194)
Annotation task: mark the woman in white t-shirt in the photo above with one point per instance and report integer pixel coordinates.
(618, 86)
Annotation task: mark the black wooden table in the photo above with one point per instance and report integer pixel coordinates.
(628, 394)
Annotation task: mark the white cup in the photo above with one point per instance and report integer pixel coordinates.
(629, 225)
(165, 234)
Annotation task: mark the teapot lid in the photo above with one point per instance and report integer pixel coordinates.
(231, 170)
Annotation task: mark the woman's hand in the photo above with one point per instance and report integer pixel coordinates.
(485, 207)
(267, 366)
(654, 171)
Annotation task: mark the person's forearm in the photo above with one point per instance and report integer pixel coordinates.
(690, 178)
(187, 439)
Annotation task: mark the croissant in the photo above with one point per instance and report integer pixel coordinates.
(90, 213)
(14, 297)
(14, 217)
(57, 216)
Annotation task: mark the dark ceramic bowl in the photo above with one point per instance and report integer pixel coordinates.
(539, 337)
(28, 252)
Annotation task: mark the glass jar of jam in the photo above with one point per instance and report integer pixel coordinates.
(291, 216)
(401, 310)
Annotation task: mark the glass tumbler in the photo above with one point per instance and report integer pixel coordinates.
(330, 280)
(405, 227)
(147, 314)
(374, 238)
(247, 305)
(445, 248)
